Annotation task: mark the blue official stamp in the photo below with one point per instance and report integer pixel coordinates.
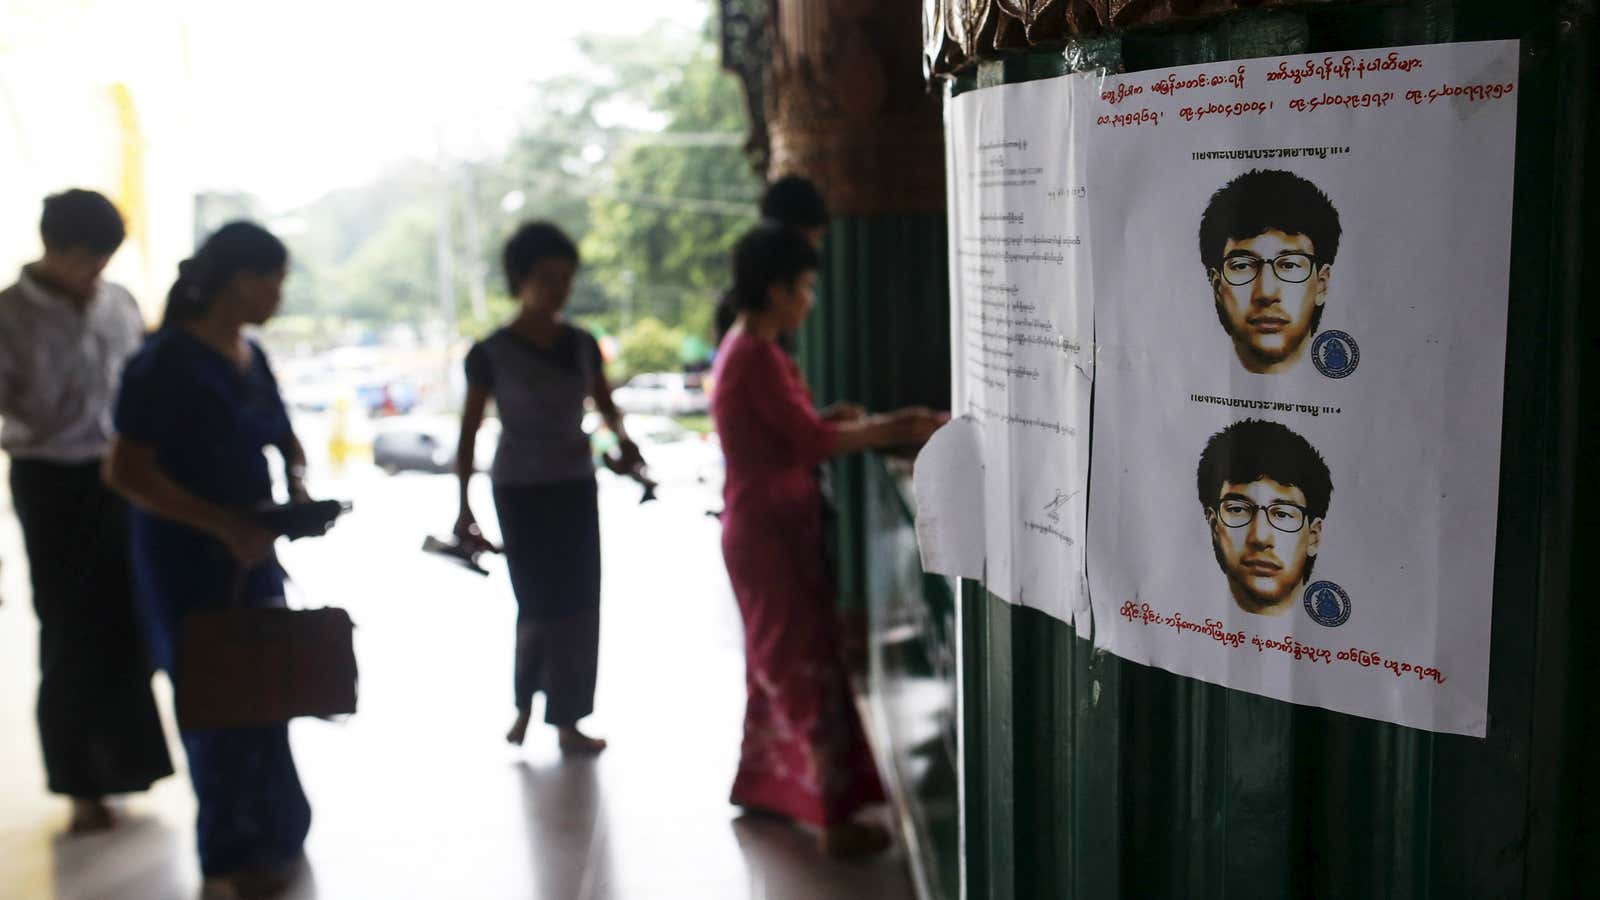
(1335, 354)
(1327, 604)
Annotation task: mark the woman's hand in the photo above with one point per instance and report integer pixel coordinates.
(913, 425)
(470, 535)
(631, 459)
(250, 544)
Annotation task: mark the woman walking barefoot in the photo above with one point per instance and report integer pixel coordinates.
(540, 370)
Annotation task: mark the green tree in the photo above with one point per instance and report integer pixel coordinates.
(636, 154)
(648, 345)
(660, 235)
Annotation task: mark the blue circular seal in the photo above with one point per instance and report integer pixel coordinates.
(1327, 604)
(1335, 354)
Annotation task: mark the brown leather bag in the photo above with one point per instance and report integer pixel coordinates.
(239, 667)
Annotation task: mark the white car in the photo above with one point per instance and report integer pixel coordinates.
(661, 393)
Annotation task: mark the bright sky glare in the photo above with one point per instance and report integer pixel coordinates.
(298, 97)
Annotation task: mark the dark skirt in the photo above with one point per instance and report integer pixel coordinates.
(551, 534)
(98, 723)
(252, 811)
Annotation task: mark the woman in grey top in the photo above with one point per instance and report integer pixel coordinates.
(540, 370)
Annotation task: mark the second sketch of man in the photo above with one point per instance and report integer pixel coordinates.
(1265, 491)
(1268, 239)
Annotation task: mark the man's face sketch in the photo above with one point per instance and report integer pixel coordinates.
(1268, 240)
(1270, 316)
(1264, 491)
(1264, 562)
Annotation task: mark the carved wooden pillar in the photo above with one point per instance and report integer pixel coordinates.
(848, 107)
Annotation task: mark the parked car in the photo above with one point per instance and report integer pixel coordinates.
(662, 393)
(428, 444)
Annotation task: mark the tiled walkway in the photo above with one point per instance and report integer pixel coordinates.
(417, 796)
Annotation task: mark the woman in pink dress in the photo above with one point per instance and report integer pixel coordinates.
(804, 756)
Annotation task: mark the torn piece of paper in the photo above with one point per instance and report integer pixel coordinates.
(948, 485)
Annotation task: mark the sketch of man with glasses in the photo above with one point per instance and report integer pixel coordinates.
(1268, 239)
(1265, 491)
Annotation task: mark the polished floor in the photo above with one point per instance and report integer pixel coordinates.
(417, 796)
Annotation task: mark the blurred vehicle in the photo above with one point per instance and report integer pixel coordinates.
(392, 398)
(662, 393)
(428, 444)
(308, 387)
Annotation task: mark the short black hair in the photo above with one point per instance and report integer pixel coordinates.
(796, 202)
(532, 242)
(77, 219)
(1251, 450)
(765, 255)
(1265, 199)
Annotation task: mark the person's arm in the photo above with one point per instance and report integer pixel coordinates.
(466, 527)
(294, 467)
(601, 391)
(843, 412)
(776, 398)
(902, 428)
(131, 470)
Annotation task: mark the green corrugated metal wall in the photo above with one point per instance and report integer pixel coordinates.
(879, 336)
(1090, 777)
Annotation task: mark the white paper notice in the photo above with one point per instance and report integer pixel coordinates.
(1301, 273)
(1022, 328)
(948, 485)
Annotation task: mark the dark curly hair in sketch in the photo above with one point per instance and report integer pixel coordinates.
(1251, 450)
(1269, 199)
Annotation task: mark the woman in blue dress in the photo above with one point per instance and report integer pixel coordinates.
(198, 405)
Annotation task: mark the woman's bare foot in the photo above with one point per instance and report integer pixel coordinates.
(575, 743)
(519, 728)
(850, 840)
(91, 815)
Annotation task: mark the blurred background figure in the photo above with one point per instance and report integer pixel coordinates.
(198, 406)
(540, 370)
(793, 202)
(64, 336)
(805, 755)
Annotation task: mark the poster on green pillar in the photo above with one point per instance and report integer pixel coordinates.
(1301, 270)
(1281, 285)
(1022, 327)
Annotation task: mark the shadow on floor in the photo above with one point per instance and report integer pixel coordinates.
(141, 857)
(569, 854)
(784, 863)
